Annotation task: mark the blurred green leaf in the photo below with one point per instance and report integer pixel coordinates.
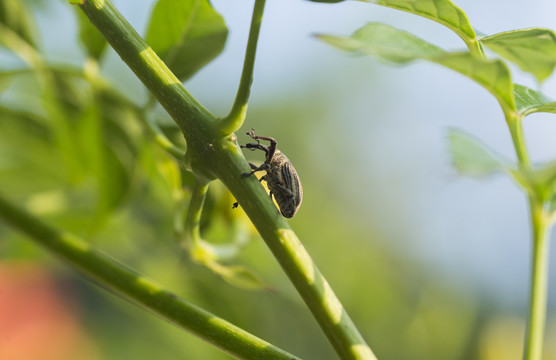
(6, 78)
(16, 17)
(236, 275)
(388, 43)
(385, 42)
(95, 44)
(533, 50)
(115, 141)
(530, 101)
(62, 99)
(186, 34)
(442, 11)
(169, 170)
(471, 157)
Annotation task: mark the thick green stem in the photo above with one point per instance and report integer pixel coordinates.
(141, 290)
(291, 254)
(235, 119)
(148, 67)
(539, 282)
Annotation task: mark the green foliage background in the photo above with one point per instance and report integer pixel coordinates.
(80, 155)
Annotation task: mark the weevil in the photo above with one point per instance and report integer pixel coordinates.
(281, 177)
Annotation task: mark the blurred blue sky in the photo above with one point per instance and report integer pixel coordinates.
(396, 120)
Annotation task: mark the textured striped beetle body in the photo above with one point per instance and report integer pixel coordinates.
(283, 182)
(281, 177)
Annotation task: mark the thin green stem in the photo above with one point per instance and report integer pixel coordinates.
(474, 45)
(540, 229)
(141, 290)
(161, 140)
(235, 118)
(539, 282)
(516, 130)
(19, 46)
(192, 232)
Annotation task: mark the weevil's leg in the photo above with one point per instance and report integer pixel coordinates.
(263, 178)
(256, 168)
(287, 191)
(252, 147)
(270, 150)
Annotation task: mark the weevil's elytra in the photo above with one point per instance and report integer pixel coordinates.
(281, 177)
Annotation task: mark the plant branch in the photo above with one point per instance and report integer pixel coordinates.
(540, 229)
(210, 154)
(148, 67)
(235, 118)
(141, 290)
(539, 282)
(192, 232)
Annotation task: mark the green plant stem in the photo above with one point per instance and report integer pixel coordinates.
(539, 282)
(291, 254)
(540, 229)
(192, 232)
(148, 67)
(210, 154)
(161, 140)
(141, 290)
(516, 130)
(235, 118)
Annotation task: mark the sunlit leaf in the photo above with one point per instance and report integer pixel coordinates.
(90, 37)
(441, 11)
(471, 157)
(186, 34)
(17, 18)
(391, 44)
(530, 101)
(533, 50)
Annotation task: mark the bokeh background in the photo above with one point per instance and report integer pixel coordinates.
(429, 265)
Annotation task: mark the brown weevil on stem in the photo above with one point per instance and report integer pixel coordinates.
(281, 177)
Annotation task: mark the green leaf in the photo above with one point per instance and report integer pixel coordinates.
(391, 44)
(186, 34)
(533, 50)
(90, 37)
(169, 170)
(107, 151)
(530, 101)
(493, 75)
(16, 17)
(471, 157)
(385, 42)
(442, 11)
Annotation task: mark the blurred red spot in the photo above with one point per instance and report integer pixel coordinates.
(36, 322)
